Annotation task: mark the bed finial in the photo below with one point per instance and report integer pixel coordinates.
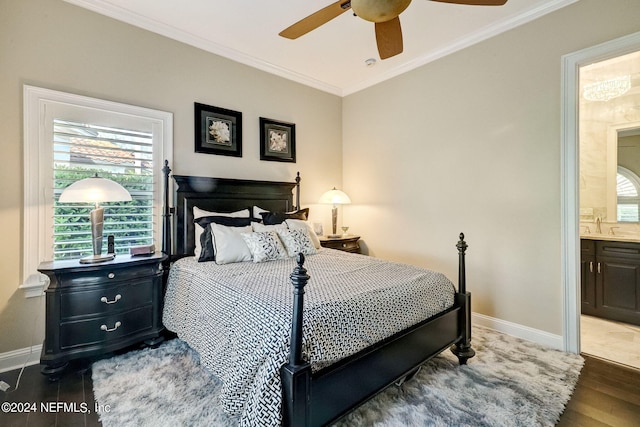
(299, 277)
(462, 245)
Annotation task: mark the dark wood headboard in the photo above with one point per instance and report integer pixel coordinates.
(225, 195)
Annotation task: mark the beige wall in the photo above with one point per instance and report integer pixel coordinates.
(471, 143)
(468, 143)
(59, 46)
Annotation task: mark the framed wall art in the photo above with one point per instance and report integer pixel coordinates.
(218, 130)
(277, 141)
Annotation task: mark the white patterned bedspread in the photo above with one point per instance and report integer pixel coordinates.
(238, 317)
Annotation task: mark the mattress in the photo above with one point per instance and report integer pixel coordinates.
(238, 317)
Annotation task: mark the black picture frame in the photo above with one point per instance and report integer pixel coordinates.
(217, 130)
(277, 140)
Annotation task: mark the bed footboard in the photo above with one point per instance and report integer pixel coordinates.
(316, 399)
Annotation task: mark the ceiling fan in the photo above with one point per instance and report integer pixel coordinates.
(384, 13)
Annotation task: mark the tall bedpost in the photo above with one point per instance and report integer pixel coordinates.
(462, 348)
(166, 213)
(462, 275)
(298, 179)
(296, 375)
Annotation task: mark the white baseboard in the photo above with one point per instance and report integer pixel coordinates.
(16, 359)
(514, 329)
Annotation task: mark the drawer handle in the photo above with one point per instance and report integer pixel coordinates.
(344, 245)
(111, 275)
(115, 300)
(591, 266)
(116, 326)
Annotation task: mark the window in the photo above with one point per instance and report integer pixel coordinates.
(627, 187)
(81, 150)
(70, 137)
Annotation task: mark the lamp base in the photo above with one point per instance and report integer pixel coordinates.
(334, 236)
(93, 259)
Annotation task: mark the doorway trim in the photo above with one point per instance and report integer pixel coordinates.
(570, 188)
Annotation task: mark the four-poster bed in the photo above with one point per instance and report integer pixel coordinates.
(311, 394)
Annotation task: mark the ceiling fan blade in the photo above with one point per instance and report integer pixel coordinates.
(316, 19)
(389, 38)
(475, 2)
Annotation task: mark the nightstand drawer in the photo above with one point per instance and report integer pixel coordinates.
(106, 328)
(106, 274)
(347, 244)
(103, 300)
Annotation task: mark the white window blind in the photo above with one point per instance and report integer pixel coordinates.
(81, 150)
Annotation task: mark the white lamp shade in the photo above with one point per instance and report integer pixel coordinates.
(334, 197)
(94, 190)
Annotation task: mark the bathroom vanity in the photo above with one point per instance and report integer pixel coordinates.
(610, 278)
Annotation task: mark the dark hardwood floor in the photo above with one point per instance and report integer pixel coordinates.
(606, 395)
(74, 389)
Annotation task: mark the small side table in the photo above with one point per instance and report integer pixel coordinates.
(344, 243)
(92, 309)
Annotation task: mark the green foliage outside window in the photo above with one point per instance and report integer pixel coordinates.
(131, 223)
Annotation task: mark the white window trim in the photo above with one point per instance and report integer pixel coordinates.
(35, 222)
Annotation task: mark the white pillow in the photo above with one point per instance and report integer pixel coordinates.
(300, 224)
(197, 230)
(297, 240)
(265, 246)
(199, 213)
(257, 210)
(228, 244)
(260, 227)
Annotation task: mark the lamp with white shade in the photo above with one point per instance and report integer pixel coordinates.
(334, 197)
(95, 190)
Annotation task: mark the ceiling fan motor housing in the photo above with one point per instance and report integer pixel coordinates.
(379, 10)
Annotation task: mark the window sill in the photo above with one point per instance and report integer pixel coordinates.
(35, 285)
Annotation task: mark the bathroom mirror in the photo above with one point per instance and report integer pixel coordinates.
(609, 130)
(624, 192)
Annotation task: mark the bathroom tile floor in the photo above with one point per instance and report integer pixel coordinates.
(615, 341)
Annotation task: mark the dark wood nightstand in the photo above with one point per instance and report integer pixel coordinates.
(344, 243)
(92, 309)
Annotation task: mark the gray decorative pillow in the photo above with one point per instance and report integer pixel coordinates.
(296, 241)
(265, 246)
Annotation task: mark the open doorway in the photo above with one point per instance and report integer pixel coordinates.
(586, 77)
(609, 172)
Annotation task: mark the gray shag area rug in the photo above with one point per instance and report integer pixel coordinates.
(510, 382)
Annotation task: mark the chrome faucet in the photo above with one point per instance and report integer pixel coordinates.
(598, 230)
(611, 232)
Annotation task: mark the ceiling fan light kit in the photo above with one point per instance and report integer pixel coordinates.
(377, 10)
(384, 13)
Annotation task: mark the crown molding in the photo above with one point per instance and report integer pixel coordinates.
(120, 14)
(462, 43)
(105, 8)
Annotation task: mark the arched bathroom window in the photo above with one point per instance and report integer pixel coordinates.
(628, 190)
